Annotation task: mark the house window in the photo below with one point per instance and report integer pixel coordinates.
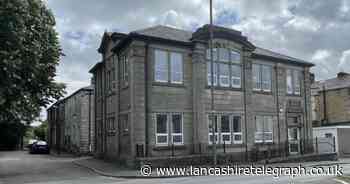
(227, 68)
(215, 71)
(224, 75)
(161, 66)
(162, 129)
(177, 131)
(237, 130)
(230, 131)
(262, 77)
(163, 122)
(264, 129)
(111, 123)
(293, 82)
(176, 67)
(225, 129)
(168, 65)
(213, 129)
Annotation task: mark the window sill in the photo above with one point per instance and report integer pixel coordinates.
(293, 95)
(224, 88)
(168, 84)
(262, 92)
(264, 143)
(236, 145)
(167, 147)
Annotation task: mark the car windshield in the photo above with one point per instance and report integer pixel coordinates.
(41, 143)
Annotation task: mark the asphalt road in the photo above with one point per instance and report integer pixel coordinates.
(19, 167)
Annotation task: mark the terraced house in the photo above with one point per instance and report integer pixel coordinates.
(153, 95)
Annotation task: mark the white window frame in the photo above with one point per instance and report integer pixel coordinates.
(181, 73)
(296, 82)
(162, 134)
(216, 134)
(289, 81)
(234, 141)
(215, 72)
(226, 133)
(222, 76)
(235, 77)
(260, 79)
(176, 134)
(156, 70)
(263, 133)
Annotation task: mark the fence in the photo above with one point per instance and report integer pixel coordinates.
(259, 151)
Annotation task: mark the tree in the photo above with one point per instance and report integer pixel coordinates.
(29, 55)
(41, 131)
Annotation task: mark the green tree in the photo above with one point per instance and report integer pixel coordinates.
(29, 55)
(41, 131)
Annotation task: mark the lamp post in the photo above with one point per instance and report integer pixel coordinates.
(213, 126)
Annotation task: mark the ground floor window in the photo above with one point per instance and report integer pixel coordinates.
(225, 129)
(263, 129)
(169, 128)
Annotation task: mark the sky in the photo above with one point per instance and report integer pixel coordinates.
(317, 31)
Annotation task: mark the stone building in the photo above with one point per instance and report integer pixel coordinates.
(331, 101)
(71, 122)
(153, 95)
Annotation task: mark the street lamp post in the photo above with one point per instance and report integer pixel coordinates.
(213, 126)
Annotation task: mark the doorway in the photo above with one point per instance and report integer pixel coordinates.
(294, 140)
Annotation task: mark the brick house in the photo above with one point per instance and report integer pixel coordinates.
(153, 95)
(331, 101)
(71, 122)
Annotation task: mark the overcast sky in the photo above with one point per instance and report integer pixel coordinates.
(314, 30)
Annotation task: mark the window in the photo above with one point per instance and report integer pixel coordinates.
(328, 135)
(163, 122)
(161, 66)
(236, 76)
(263, 129)
(293, 82)
(168, 64)
(225, 129)
(176, 67)
(230, 131)
(213, 129)
(215, 79)
(227, 68)
(162, 129)
(237, 130)
(224, 75)
(176, 134)
(262, 77)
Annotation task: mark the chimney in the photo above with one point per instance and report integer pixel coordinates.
(342, 75)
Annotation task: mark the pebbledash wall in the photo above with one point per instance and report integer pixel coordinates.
(153, 94)
(71, 122)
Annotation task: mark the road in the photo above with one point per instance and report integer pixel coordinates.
(19, 167)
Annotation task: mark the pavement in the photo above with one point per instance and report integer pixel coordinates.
(19, 167)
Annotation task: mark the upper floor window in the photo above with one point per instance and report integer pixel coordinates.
(262, 77)
(168, 67)
(293, 82)
(226, 68)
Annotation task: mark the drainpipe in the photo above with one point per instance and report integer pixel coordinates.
(278, 108)
(89, 93)
(245, 107)
(325, 118)
(306, 133)
(146, 98)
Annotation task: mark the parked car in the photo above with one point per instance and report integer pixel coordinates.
(31, 142)
(39, 147)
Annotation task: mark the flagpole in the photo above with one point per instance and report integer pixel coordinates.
(214, 126)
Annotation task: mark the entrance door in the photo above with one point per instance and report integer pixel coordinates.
(294, 140)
